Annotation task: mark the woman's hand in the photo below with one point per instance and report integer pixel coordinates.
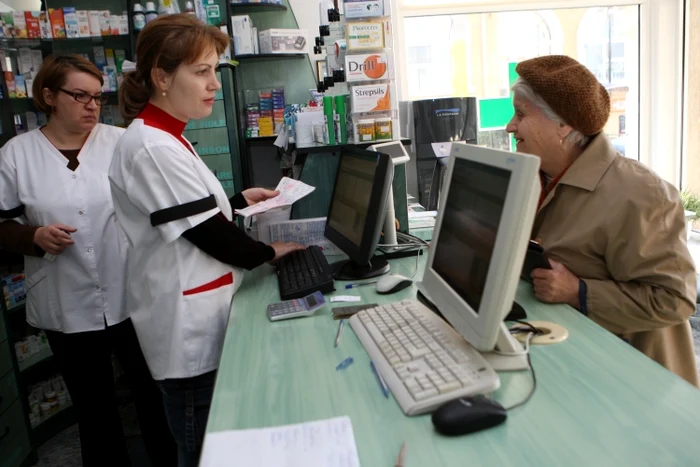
(54, 238)
(284, 248)
(556, 285)
(256, 195)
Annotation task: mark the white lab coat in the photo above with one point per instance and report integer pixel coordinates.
(83, 288)
(179, 297)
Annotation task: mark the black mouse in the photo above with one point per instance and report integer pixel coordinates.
(467, 415)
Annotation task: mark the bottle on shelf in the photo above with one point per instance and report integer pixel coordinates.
(189, 8)
(139, 17)
(168, 7)
(151, 12)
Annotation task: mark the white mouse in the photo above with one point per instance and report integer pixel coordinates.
(391, 283)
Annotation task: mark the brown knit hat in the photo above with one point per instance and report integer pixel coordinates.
(570, 89)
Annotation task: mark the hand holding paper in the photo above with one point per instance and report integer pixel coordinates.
(290, 191)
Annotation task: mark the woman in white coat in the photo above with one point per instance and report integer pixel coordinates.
(56, 209)
(185, 255)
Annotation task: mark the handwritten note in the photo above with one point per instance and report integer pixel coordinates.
(290, 191)
(324, 443)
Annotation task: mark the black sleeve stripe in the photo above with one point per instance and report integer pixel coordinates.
(12, 213)
(183, 211)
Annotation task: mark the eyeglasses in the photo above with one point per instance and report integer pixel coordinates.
(85, 98)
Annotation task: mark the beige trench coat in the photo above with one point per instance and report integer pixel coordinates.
(618, 226)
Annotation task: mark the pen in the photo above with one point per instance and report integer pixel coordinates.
(385, 389)
(401, 458)
(340, 331)
(359, 284)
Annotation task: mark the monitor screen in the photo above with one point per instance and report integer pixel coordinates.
(472, 214)
(351, 199)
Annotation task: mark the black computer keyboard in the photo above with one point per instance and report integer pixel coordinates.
(304, 272)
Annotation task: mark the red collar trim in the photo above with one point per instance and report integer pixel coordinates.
(158, 118)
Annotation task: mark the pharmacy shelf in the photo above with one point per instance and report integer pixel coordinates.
(261, 138)
(16, 308)
(251, 57)
(22, 42)
(35, 359)
(257, 6)
(55, 423)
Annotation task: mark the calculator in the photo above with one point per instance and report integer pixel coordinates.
(296, 308)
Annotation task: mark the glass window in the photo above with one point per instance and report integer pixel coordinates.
(472, 55)
(691, 140)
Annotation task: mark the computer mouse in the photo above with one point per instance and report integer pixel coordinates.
(467, 415)
(391, 283)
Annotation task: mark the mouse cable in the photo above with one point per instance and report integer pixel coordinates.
(528, 325)
(534, 378)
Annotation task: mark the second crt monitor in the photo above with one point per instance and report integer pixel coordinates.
(481, 235)
(357, 211)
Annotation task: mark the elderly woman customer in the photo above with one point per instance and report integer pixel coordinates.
(614, 230)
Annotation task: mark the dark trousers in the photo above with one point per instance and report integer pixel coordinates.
(84, 360)
(187, 402)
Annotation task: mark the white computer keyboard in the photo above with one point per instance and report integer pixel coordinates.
(423, 360)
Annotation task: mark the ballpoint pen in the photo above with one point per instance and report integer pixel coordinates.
(385, 389)
(337, 334)
(401, 458)
(359, 284)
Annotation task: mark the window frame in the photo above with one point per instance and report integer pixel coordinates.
(661, 66)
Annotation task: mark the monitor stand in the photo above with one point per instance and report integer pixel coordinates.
(349, 270)
(505, 343)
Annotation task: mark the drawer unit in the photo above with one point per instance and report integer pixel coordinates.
(14, 439)
(8, 391)
(5, 358)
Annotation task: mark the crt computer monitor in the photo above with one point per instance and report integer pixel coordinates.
(397, 152)
(481, 235)
(357, 210)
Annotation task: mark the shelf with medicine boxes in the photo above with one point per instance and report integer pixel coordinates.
(274, 71)
(356, 78)
(99, 30)
(369, 68)
(256, 6)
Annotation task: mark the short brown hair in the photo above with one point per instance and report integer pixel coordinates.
(53, 74)
(166, 43)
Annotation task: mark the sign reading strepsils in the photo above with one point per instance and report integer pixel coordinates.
(367, 67)
(371, 98)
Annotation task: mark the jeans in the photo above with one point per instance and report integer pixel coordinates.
(187, 402)
(85, 361)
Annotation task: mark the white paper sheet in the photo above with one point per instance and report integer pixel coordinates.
(290, 192)
(345, 298)
(306, 231)
(324, 443)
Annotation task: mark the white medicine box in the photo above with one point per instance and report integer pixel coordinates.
(284, 41)
(243, 40)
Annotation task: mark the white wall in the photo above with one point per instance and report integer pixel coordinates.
(306, 13)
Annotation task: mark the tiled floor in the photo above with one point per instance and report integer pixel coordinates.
(63, 450)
